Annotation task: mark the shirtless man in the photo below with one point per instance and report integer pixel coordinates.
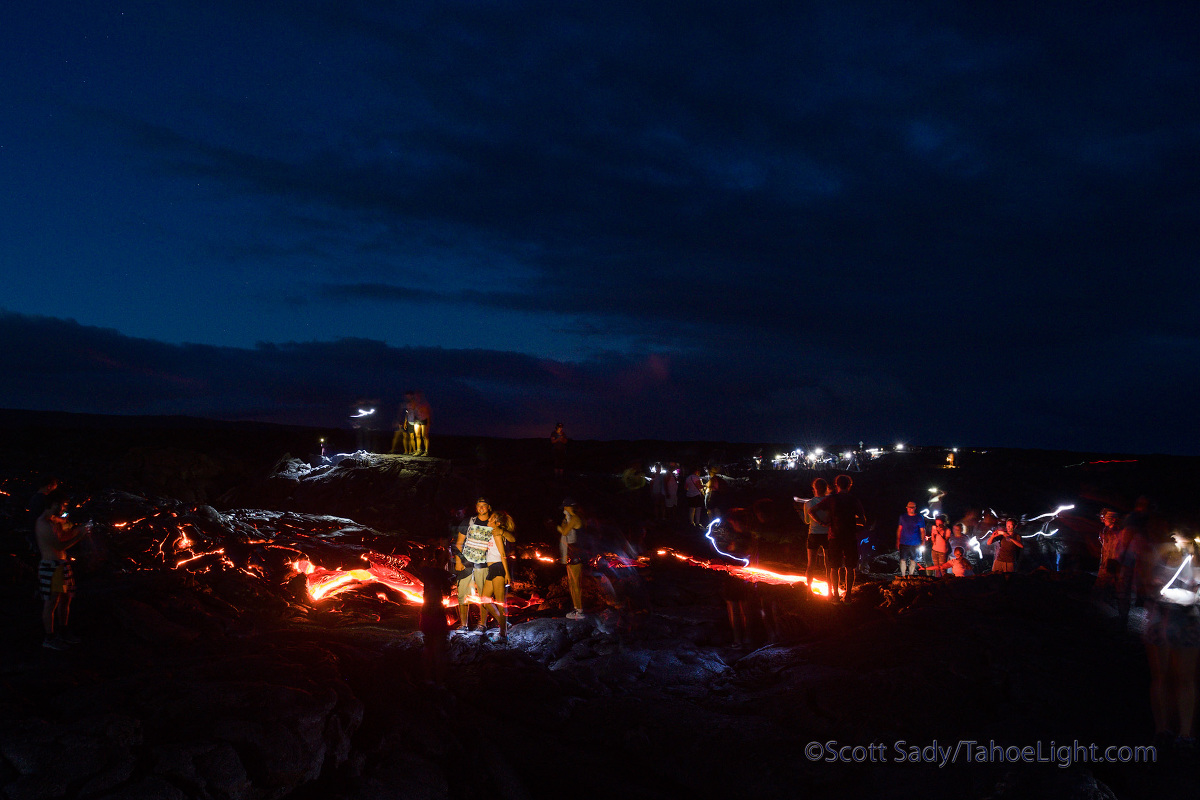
(55, 535)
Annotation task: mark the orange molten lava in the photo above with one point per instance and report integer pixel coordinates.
(755, 574)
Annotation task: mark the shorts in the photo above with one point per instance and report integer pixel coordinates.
(477, 575)
(818, 541)
(695, 501)
(495, 570)
(841, 553)
(1171, 625)
(1004, 566)
(908, 552)
(939, 557)
(56, 577)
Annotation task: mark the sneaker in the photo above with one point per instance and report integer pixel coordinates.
(70, 638)
(55, 643)
(576, 614)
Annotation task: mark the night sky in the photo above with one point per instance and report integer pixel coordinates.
(755, 221)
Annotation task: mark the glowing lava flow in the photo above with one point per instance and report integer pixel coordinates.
(755, 574)
(324, 582)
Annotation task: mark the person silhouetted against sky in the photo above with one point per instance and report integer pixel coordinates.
(558, 449)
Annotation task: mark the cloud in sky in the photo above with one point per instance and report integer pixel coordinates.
(66, 366)
(851, 192)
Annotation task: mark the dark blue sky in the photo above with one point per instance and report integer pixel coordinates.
(753, 221)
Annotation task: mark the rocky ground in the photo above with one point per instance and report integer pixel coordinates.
(231, 682)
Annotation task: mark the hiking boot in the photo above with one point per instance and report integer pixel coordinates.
(576, 614)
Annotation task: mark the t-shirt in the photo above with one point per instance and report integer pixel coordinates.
(693, 486)
(910, 528)
(940, 540)
(958, 567)
(1008, 551)
(564, 545)
(845, 516)
(818, 520)
(479, 537)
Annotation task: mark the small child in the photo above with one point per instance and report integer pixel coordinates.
(958, 564)
(434, 627)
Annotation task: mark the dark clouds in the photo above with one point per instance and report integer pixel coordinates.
(720, 391)
(927, 220)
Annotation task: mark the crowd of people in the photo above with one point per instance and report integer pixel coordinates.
(1141, 564)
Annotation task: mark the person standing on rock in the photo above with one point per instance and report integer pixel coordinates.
(36, 505)
(671, 487)
(1010, 547)
(693, 491)
(568, 545)
(846, 519)
(939, 543)
(470, 561)
(403, 430)
(558, 449)
(55, 535)
(816, 514)
(658, 491)
(910, 535)
(498, 576)
(1110, 567)
(420, 425)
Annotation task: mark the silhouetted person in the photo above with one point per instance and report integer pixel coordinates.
(434, 627)
(401, 438)
(1109, 570)
(56, 580)
(36, 505)
(558, 449)
(846, 518)
(420, 424)
(693, 493)
(818, 519)
(1132, 550)
(1172, 637)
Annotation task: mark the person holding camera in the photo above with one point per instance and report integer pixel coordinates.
(1010, 547)
(55, 535)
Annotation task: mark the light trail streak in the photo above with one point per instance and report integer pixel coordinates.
(709, 535)
(1052, 514)
(1186, 561)
(755, 574)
